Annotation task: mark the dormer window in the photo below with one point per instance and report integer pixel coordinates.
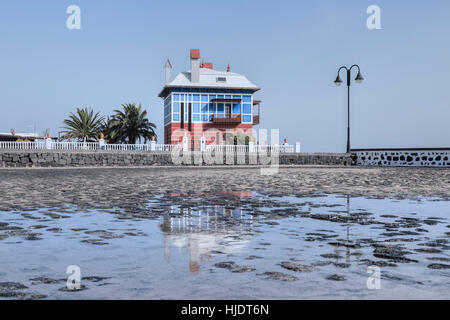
(221, 79)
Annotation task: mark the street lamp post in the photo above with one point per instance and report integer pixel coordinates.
(338, 82)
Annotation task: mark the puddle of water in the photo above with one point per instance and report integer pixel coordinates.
(245, 247)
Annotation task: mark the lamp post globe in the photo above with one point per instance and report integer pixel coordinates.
(338, 80)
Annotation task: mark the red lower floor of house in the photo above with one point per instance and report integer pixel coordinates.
(214, 133)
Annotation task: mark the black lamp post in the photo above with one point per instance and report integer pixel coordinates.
(338, 82)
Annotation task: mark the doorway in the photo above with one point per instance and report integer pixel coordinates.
(227, 110)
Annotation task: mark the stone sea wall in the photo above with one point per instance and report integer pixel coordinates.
(439, 157)
(43, 158)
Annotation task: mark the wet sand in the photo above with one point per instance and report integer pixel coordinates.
(43, 188)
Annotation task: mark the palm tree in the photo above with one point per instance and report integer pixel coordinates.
(83, 125)
(129, 125)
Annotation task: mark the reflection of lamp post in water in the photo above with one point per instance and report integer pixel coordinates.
(348, 229)
(347, 244)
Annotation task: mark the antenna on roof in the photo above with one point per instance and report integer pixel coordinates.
(167, 67)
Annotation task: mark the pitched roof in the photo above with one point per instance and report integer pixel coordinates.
(211, 79)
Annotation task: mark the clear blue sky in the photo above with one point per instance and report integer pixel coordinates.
(291, 49)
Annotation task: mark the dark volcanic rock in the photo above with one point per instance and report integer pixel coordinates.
(96, 242)
(252, 257)
(95, 278)
(439, 266)
(39, 226)
(233, 267)
(331, 256)
(104, 234)
(296, 267)
(443, 259)
(321, 263)
(335, 277)
(4, 286)
(342, 265)
(345, 244)
(12, 290)
(45, 280)
(428, 250)
(32, 238)
(394, 253)
(279, 276)
(378, 263)
(65, 289)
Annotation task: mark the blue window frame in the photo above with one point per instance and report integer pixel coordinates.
(205, 117)
(176, 117)
(246, 118)
(220, 96)
(196, 97)
(247, 99)
(236, 108)
(176, 107)
(220, 108)
(246, 108)
(176, 97)
(204, 98)
(204, 108)
(196, 108)
(196, 117)
(211, 108)
(227, 97)
(236, 97)
(212, 96)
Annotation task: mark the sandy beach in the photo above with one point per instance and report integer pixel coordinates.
(37, 188)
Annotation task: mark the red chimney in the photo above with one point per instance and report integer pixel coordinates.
(195, 53)
(207, 65)
(228, 68)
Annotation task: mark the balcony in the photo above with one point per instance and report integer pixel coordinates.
(256, 111)
(226, 119)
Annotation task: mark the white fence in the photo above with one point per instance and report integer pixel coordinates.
(141, 147)
(254, 148)
(99, 146)
(86, 146)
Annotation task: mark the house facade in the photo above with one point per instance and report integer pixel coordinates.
(207, 102)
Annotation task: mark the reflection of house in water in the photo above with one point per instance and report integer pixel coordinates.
(205, 232)
(239, 194)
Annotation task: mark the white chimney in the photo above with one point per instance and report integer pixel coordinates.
(195, 65)
(167, 67)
